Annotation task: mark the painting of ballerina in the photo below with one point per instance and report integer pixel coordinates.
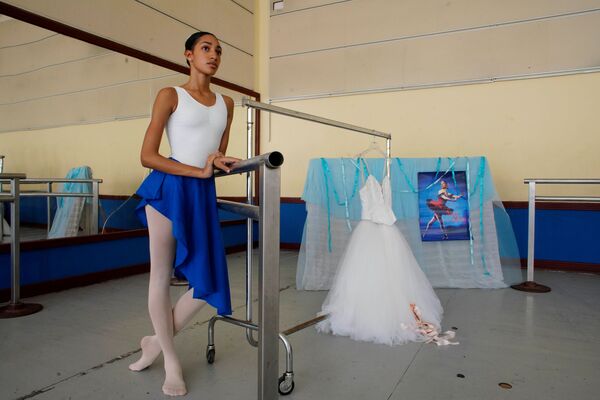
(443, 206)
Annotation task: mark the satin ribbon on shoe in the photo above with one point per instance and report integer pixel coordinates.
(430, 332)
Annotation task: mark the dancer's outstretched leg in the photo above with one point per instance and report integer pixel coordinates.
(443, 228)
(431, 221)
(162, 254)
(183, 312)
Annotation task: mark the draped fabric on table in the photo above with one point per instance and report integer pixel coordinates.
(70, 214)
(489, 260)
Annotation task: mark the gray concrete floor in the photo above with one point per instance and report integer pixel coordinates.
(545, 345)
(27, 234)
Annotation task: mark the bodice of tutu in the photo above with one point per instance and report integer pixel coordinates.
(376, 201)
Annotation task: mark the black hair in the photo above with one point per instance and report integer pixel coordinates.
(191, 41)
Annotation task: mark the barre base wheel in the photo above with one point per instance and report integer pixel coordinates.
(286, 384)
(210, 354)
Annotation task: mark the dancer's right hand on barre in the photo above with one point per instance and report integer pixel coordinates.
(218, 160)
(208, 169)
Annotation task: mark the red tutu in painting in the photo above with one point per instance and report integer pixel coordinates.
(439, 206)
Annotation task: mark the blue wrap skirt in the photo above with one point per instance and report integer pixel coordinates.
(191, 206)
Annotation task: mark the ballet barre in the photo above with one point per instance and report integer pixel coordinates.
(530, 285)
(15, 307)
(309, 117)
(50, 193)
(267, 215)
(286, 381)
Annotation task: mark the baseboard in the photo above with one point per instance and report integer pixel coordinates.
(239, 248)
(58, 285)
(242, 247)
(98, 277)
(567, 266)
(76, 240)
(552, 205)
(109, 234)
(92, 278)
(290, 246)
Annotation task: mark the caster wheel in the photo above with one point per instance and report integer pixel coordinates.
(210, 355)
(286, 384)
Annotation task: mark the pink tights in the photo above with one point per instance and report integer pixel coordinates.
(166, 320)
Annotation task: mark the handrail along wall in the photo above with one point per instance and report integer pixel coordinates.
(530, 285)
(49, 193)
(15, 307)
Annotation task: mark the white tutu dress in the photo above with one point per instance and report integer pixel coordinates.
(379, 293)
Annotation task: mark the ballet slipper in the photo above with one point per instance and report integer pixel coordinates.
(429, 332)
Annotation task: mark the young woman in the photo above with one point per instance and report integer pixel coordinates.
(179, 204)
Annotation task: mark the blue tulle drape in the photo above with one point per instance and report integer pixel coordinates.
(331, 191)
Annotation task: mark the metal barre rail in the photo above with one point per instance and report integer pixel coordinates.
(93, 213)
(267, 214)
(247, 210)
(54, 180)
(582, 199)
(271, 160)
(308, 117)
(251, 104)
(530, 285)
(55, 194)
(563, 181)
(15, 307)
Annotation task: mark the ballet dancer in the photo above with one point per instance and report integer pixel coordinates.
(179, 205)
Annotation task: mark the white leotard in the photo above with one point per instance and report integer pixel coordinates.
(195, 130)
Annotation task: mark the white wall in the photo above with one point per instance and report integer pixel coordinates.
(354, 61)
(371, 45)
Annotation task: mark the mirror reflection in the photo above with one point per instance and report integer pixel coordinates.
(72, 110)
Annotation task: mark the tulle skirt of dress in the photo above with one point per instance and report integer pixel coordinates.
(377, 280)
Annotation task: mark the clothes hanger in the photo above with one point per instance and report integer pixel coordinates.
(373, 147)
